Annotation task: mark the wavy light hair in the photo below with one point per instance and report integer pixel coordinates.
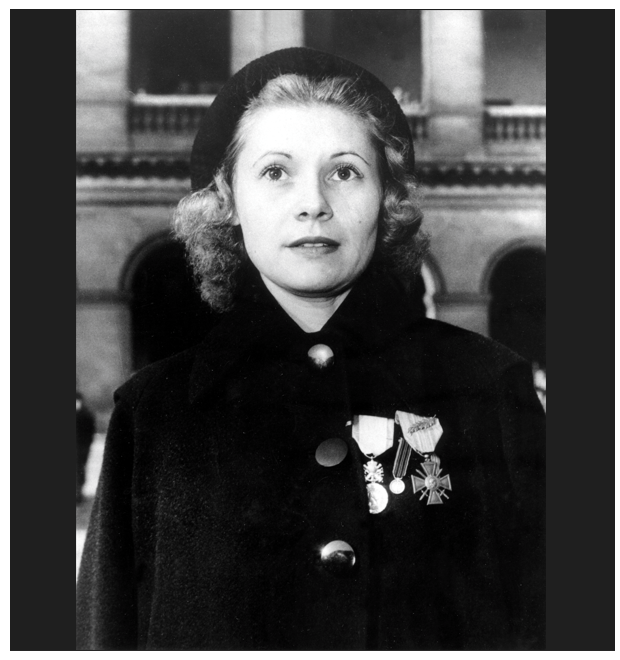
(203, 220)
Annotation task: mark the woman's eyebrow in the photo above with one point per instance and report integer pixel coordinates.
(273, 153)
(349, 153)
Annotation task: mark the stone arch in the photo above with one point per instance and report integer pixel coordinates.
(167, 314)
(529, 242)
(515, 282)
(137, 256)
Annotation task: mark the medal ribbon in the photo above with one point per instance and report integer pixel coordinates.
(402, 459)
(421, 433)
(374, 435)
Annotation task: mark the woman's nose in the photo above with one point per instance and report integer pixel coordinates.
(312, 202)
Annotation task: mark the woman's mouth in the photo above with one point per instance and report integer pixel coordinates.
(309, 241)
(312, 246)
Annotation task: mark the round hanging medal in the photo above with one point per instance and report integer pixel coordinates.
(377, 497)
(374, 435)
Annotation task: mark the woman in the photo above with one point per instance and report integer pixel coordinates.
(327, 470)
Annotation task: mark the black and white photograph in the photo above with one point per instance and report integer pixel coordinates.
(311, 329)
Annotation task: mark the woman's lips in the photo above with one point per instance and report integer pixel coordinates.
(314, 245)
(313, 240)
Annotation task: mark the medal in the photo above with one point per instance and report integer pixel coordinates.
(432, 485)
(421, 434)
(374, 435)
(377, 497)
(401, 462)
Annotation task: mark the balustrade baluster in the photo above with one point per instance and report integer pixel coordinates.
(184, 119)
(148, 120)
(491, 127)
(183, 123)
(155, 119)
(197, 117)
(160, 124)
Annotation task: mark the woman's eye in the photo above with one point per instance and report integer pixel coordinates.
(274, 173)
(346, 173)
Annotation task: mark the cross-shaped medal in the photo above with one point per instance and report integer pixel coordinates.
(431, 484)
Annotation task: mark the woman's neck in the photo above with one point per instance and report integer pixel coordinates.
(310, 314)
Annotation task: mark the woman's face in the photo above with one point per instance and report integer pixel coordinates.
(307, 195)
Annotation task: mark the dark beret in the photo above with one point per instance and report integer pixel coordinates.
(218, 124)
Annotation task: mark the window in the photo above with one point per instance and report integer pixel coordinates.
(387, 42)
(185, 51)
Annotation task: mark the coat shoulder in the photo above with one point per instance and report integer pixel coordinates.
(463, 353)
(161, 373)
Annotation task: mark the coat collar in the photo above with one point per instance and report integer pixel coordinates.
(373, 313)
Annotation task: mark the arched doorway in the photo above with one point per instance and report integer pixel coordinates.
(517, 315)
(167, 314)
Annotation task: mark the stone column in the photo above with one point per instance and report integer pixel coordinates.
(102, 59)
(453, 81)
(256, 32)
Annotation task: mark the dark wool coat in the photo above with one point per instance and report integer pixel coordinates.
(211, 508)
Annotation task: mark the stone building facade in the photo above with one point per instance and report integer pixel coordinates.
(481, 161)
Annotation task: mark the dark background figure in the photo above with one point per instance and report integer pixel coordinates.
(84, 434)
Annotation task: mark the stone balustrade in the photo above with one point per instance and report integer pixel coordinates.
(167, 114)
(180, 115)
(515, 123)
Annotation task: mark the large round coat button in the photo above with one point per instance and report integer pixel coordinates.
(331, 452)
(338, 557)
(321, 355)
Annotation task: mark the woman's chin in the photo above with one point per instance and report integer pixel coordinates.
(315, 287)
